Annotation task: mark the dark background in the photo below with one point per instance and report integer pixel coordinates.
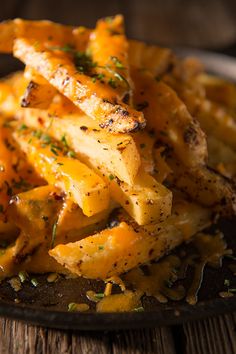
(208, 24)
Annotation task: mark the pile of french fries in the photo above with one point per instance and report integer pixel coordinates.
(112, 151)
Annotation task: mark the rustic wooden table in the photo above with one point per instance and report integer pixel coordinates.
(211, 336)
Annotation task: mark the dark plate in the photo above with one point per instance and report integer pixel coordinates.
(46, 305)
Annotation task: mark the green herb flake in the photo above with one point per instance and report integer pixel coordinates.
(34, 282)
(54, 233)
(46, 139)
(99, 295)
(117, 62)
(37, 134)
(23, 276)
(71, 154)
(226, 282)
(64, 141)
(111, 177)
(138, 309)
(112, 83)
(23, 127)
(108, 19)
(53, 150)
(101, 247)
(67, 48)
(72, 307)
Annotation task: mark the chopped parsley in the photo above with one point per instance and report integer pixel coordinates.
(23, 276)
(101, 247)
(54, 233)
(22, 127)
(112, 83)
(111, 177)
(72, 307)
(117, 62)
(99, 295)
(71, 154)
(64, 141)
(138, 309)
(34, 282)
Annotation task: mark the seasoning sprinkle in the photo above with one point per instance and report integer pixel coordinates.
(138, 309)
(23, 276)
(34, 282)
(54, 232)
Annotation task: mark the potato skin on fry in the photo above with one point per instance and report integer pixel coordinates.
(114, 251)
(97, 101)
(168, 116)
(38, 95)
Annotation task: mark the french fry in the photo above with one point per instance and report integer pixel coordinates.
(11, 89)
(38, 95)
(167, 115)
(15, 172)
(90, 142)
(162, 170)
(46, 218)
(145, 145)
(38, 262)
(216, 121)
(40, 31)
(60, 71)
(73, 225)
(34, 213)
(205, 186)
(147, 201)
(221, 157)
(214, 118)
(115, 251)
(155, 59)
(109, 49)
(144, 198)
(219, 90)
(83, 186)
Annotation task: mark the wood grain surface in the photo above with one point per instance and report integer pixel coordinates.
(210, 336)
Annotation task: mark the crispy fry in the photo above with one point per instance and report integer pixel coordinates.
(46, 218)
(61, 72)
(167, 115)
(114, 251)
(155, 59)
(90, 142)
(109, 49)
(219, 90)
(38, 95)
(146, 200)
(40, 31)
(205, 186)
(83, 185)
(221, 157)
(35, 213)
